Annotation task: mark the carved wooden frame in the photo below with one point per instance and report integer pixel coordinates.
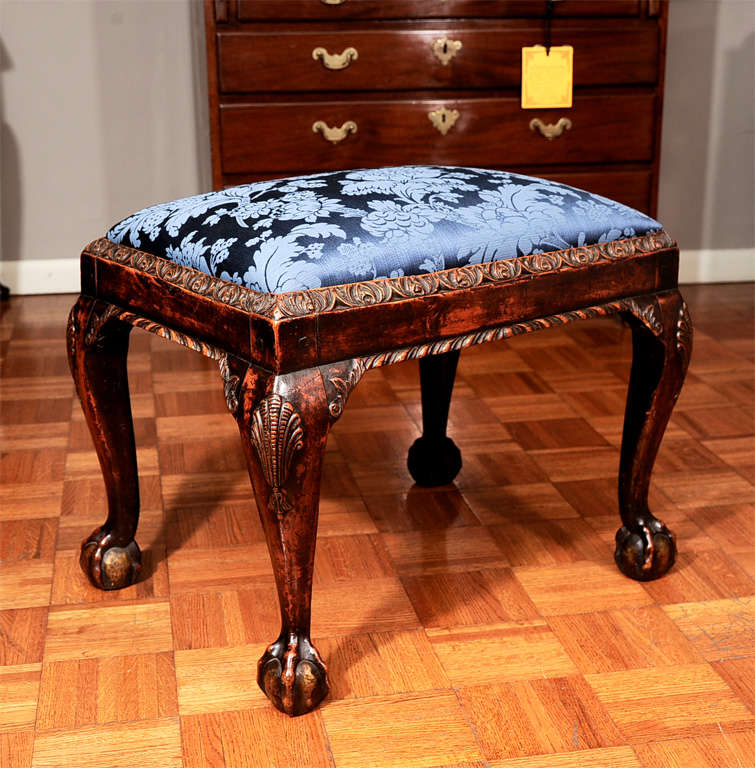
(289, 362)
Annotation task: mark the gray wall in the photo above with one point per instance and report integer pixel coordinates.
(103, 111)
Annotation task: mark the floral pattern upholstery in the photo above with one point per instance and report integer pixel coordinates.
(348, 226)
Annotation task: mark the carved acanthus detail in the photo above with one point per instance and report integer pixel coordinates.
(684, 335)
(277, 436)
(342, 386)
(648, 312)
(96, 322)
(230, 384)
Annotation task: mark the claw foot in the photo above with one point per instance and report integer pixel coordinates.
(292, 675)
(645, 552)
(109, 566)
(434, 461)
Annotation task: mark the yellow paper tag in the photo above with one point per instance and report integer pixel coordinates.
(547, 78)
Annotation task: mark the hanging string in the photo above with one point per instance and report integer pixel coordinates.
(548, 21)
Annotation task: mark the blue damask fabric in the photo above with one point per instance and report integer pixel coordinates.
(348, 226)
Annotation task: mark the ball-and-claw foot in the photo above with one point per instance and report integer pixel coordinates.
(293, 676)
(434, 461)
(645, 552)
(109, 566)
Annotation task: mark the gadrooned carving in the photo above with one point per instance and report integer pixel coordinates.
(384, 290)
(96, 322)
(277, 436)
(684, 335)
(494, 334)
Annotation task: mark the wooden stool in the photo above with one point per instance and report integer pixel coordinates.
(297, 287)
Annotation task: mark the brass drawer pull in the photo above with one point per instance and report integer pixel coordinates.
(334, 135)
(332, 2)
(335, 60)
(445, 49)
(443, 119)
(550, 131)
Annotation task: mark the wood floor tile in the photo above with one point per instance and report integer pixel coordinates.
(469, 597)
(705, 489)
(30, 502)
(106, 690)
(219, 618)
(615, 757)
(218, 679)
(19, 689)
(720, 629)
(16, 748)
(731, 525)
(25, 583)
(739, 673)
(597, 496)
(630, 638)
(418, 509)
(504, 503)
(108, 630)
(550, 542)
(381, 606)
(510, 408)
(231, 524)
(27, 539)
(501, 467)
(539, 716)
(146, 743)
(33, 437)
(22, 635)
(511, 651)
(257, 737)
(351, 560)
(580, 588)
(221, 567)
(381, 663)
(555, 433)
(721, 750)
(444, 551)
(670, 702)
(698, 576)
(383, 732)
(577, 463)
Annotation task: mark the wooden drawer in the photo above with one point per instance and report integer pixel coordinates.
(252, 10)
(606, 127)
(402, 58)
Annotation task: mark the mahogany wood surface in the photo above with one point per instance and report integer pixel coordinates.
(266, 89)
(358, 9)
(607, 127)
(400, 57)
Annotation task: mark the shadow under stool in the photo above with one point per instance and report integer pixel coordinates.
(298, 287)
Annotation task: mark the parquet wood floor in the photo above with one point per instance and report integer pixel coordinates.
(480, 625)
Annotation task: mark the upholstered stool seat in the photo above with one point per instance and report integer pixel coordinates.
(350, 226)
(297, 287)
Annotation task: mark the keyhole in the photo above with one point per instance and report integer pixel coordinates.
(443, 118)
(445, 47)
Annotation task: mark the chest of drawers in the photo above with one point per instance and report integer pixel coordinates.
(300, 86)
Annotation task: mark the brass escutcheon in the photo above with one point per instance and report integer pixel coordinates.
(445, 49)
(334, 135)
(335, 60)
(443, 119)
(550, 131)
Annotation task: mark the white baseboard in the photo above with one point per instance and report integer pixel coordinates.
(34, 276)
(725, 265)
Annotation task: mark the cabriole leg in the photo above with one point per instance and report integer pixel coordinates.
(97, 352)
(662, 343)
(434, 458)
(284, 424)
